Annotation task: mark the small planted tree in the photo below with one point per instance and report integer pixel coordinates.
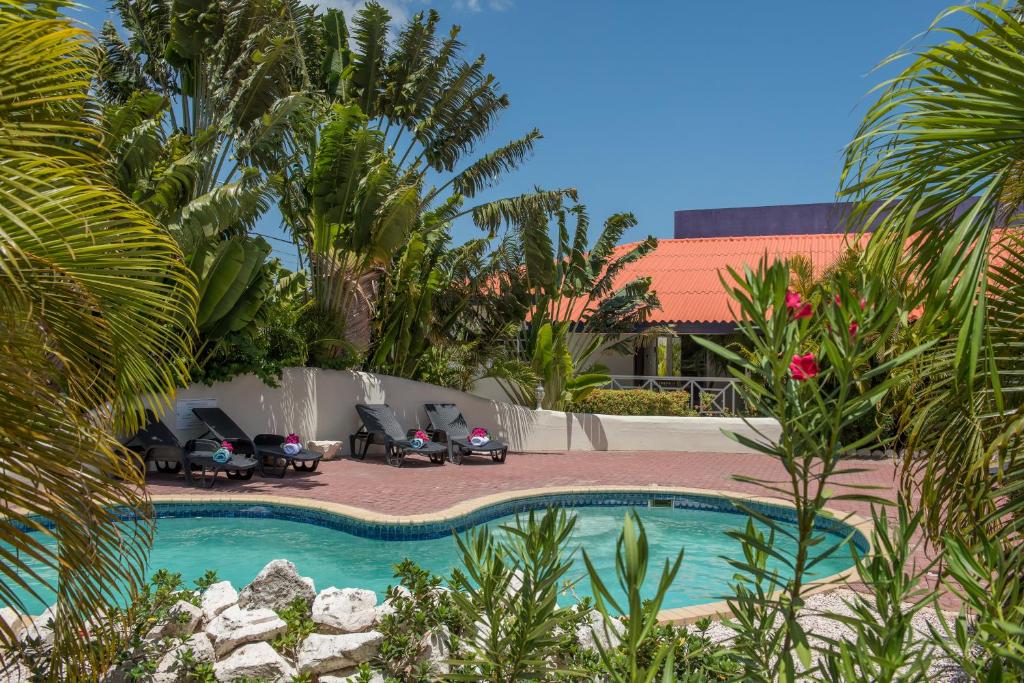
(817, 370)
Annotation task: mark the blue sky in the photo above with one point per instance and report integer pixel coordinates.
(651, 107)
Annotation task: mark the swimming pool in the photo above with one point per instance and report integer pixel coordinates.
(237, 539)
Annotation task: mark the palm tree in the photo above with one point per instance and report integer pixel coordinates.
(233, 74)
(577, 310)
(199, 106)
(160, 172)
(445, 314)
(426, 109)
(97, 307)
(357, 214)
(433, 108)
(942, 151)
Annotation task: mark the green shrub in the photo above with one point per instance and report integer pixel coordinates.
(635, 402)
(300, 624)
(277, 339)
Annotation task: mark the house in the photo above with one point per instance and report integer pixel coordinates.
(685, 273)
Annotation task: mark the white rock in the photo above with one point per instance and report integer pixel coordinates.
(236, 626)
(382, 610)
(597, 630)
(14, 620)
(183, 620)
(331, 450)
(321, 654)
(202, 652)
(256, 660)
(15, 672)
(435, 651)
(349, 676)
(345, 610)
(40, 628)
(277, 586)
(217, 598)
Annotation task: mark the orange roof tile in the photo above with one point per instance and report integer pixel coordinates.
(685, 271)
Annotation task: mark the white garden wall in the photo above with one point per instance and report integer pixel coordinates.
(317, 404)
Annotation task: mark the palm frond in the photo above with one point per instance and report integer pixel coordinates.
(937, 152)
(370, 34)
(936, 165)
(518, 210)
(486, 170)
(97, 310)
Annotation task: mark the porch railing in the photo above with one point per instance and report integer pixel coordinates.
(708, 395)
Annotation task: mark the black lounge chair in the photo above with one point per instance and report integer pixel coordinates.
(202, 469)
(449, 426)
(381, 426)
(155, 442)
(266, 447)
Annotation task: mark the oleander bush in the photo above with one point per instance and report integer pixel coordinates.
(635, 402)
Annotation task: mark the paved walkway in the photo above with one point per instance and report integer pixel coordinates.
(420, 487)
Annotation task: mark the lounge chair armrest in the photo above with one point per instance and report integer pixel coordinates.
(267, 440)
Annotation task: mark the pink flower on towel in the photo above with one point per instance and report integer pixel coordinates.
(422, 435)
(479, 431)
(226, 445)
(292, 438)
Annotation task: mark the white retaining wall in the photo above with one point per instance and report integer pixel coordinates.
(318, 404)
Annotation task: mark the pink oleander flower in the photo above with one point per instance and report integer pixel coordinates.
(420, 434)
(853, 328)
(798, 308)
(863, 304)
(226, 445)
(803, 367)
(838, 300)
(292, 438)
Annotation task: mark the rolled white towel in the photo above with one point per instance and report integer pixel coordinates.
(292, 448)
(478, 440)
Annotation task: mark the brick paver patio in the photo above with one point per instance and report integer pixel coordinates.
(420, 486)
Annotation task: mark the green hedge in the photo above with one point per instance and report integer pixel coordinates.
(635, 402)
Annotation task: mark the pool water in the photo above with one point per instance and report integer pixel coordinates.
(237, 548)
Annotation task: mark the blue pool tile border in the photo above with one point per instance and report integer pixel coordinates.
(415, 531)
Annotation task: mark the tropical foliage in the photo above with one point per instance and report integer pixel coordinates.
(576, 310)
(816, 395)
(369, 147)
(940, 149)
(360, 212)
(97, 308)
(394, 121)
(444, 311)
(197, 106)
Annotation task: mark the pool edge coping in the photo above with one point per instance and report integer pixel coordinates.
(675, 615)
